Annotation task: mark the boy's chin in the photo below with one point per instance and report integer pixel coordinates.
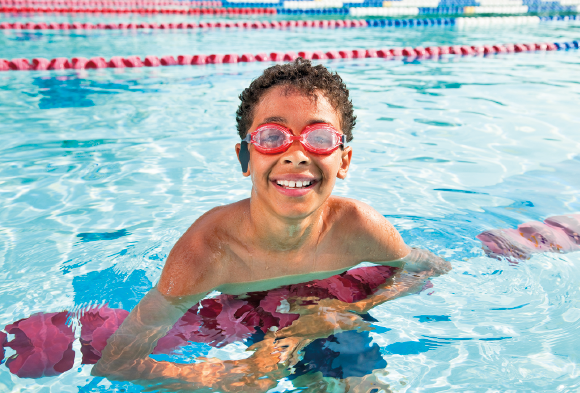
(296, 211)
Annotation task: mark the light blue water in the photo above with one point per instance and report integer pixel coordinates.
(101, 171)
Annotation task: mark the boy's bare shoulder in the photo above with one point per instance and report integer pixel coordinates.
(367, 232)
(354, 211)
(195, 263)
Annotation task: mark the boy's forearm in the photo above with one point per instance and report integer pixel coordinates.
(126, 356)
(258, 373)
(419, 260)
(330, 316)
(128, 349)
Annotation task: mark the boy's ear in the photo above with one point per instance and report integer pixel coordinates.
(244, 159)
(344, 163)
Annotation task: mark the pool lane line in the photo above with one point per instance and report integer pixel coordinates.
(61, 63)
(284, 24)
(184, 25)
(184, 11)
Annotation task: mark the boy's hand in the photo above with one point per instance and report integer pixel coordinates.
(330, 316)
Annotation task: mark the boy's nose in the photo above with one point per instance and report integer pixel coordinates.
(295, 155)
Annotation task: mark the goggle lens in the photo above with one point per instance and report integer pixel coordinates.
(270, 138)
(322, 139)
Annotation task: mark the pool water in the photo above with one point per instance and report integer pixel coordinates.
(101, 171)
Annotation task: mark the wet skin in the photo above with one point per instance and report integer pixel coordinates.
(273, 234)
(276, 237)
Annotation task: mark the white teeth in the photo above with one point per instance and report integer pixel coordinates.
(292, 184)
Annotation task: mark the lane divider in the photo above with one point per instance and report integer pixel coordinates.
(112, 10)
(61, 63)
(330, 24)
(510, 20)
(120, 4)
(350, 23)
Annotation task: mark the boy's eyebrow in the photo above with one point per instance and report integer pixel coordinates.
(274, 119)
(278, 119)
(317, 121)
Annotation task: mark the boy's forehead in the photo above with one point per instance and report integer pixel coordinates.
(283, 103)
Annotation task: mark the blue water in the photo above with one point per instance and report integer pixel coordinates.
(101, 171)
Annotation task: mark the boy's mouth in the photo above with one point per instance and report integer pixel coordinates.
(295, 184)
(295, 187)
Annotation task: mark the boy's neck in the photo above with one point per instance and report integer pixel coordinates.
(275, 233)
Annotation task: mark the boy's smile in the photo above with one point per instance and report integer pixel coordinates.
(296, 182)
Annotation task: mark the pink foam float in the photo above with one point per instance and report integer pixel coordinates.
(43, 345)
(96, 328)
(3, 339)
(555, 234)
(43, 342)
(226, 319)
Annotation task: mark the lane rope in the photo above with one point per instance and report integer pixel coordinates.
(184, 25)
(62, 63)
(154, 10)
(290, 7)
(330, 24)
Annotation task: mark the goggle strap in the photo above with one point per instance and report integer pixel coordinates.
(244, 155)
(343, 140)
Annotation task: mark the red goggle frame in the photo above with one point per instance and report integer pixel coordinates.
(319, 138)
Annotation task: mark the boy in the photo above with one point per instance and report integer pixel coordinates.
(294, 121)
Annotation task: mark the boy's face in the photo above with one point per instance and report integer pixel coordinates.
(295, 111)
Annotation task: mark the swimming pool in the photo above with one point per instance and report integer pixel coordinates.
(102, 170)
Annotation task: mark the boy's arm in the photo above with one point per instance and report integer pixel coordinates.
(424, 261)
(187, 277)
(126, 355)
(381, 243)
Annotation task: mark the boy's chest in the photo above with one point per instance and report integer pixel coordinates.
(246, 264)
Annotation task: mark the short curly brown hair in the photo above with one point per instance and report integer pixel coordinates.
(307, 79)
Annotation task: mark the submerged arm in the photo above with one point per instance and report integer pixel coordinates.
(126, 355)
(188, 270)
(330, 316)
(422, 261)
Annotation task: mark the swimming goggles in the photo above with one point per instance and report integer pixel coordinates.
(271, 138)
